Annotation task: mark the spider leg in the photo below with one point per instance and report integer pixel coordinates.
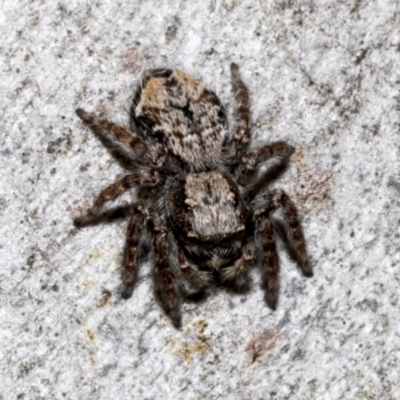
(164, 275)
(294, 231)
(253, 160)
(242, 134)
(125, 137)
(241, 266)
(196, 278)
(269, 257)
(140, 178)
(134, 239)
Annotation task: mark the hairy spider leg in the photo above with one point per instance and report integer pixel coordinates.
(269, 257)
(140, 178)
(294, 231)
(130, 139)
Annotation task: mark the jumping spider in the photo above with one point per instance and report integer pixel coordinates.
(201, 205)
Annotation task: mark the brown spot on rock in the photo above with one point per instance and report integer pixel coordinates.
(314, 184)
(262, 343)
(193, 341)
(129, 61)
(105, 298)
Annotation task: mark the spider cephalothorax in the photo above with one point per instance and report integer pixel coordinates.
(201, 203)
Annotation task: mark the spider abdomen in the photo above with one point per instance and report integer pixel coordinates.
(176, 109)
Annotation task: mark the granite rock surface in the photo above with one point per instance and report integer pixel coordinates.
(324, 76)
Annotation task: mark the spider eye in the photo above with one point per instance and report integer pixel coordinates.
(188, 209)
(235, 202)
(159, 138)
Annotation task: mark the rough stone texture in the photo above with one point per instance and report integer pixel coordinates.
(323, 75)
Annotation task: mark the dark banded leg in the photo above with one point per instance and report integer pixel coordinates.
(294, 231)
(136, 230)
(252, 161)
(165, 277)
(242, 135)
(240, 267)
(197, 279)
(140, 178)
(269, 258)
(125, 137)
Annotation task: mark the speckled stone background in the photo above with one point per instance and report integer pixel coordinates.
(323, 75)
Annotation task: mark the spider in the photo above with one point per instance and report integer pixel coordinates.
(203, 208)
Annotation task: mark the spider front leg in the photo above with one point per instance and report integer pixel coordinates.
(196, 281)
(142, 149)
(141, 178)
(164, 276)
(240, 268)
(269, 258)
(294, 232)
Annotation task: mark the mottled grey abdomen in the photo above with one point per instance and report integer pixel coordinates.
(177, 110)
